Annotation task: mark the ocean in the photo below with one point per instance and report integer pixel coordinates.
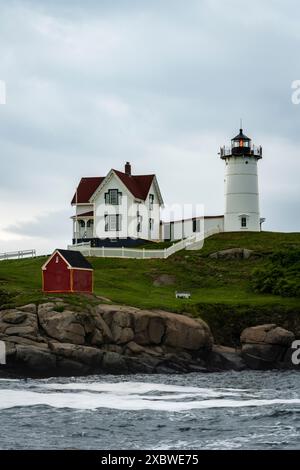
(230, 410)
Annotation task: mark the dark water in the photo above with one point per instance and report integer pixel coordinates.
(248, 410)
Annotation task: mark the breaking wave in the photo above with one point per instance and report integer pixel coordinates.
(249, 410)
(135, 396)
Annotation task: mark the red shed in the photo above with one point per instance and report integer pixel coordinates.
(67, 271)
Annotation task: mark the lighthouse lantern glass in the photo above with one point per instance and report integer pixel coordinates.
(241, 143)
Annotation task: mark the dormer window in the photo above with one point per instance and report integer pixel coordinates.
(113, 197)
(151, 201)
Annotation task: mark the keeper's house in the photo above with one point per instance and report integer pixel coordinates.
(67, 271)
(119, 209)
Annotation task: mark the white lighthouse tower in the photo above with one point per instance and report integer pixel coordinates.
(241, 185)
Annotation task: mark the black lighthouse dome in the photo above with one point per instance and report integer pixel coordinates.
(241, 146)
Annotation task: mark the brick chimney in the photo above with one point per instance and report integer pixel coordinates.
(128, 169)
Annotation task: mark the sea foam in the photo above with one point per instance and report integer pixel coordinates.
(127, 401)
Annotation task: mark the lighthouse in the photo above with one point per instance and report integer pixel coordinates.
(241, 185)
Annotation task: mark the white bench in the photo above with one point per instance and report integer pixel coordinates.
(183, 295)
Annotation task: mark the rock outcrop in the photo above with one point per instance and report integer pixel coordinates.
(232, 253)
(267, 347)
(226, 358)
(164, 280)
(53, 339)
(56, 339)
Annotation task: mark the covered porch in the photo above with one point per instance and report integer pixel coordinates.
(83, 226)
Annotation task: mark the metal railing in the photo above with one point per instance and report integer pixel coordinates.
(254, 150)
(18, 254)
(195, 242)
(83, 234)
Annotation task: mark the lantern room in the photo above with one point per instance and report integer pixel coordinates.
(241, 145)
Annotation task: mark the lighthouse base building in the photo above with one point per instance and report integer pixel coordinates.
(122, 209)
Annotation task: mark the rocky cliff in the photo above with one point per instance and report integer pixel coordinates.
(53, 339)
(57, 339)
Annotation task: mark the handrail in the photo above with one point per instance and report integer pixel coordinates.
(254, 150)
(194, 242)
(18, 254)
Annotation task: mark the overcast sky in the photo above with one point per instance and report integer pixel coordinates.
(161, 83)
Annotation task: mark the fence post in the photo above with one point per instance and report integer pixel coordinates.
(143, 253)
(122, 251)
(103, 251)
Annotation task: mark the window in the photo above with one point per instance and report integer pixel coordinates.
(113, 197)
(151, 224)
(90, 223)
(196, 225)
(81, 223)
(112, 223)
(139, 222)
(244, 222)
(151, 201)
(241, 143)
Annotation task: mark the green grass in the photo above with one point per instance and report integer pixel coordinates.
(221, 292)
(131, 281)
(155, 245)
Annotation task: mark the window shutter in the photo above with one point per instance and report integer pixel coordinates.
(119, 222)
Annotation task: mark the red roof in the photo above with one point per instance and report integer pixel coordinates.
(85, 214)
(138, 185)
(86, 189)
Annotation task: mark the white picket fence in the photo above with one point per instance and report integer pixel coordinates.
(195, 242)
(18, 254)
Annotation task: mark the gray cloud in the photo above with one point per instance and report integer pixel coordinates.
(163, 84)
(45, 226)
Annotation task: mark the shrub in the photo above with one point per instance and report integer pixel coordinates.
(59, 308)
(281, 276)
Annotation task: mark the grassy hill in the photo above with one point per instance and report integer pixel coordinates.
(221, 289)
